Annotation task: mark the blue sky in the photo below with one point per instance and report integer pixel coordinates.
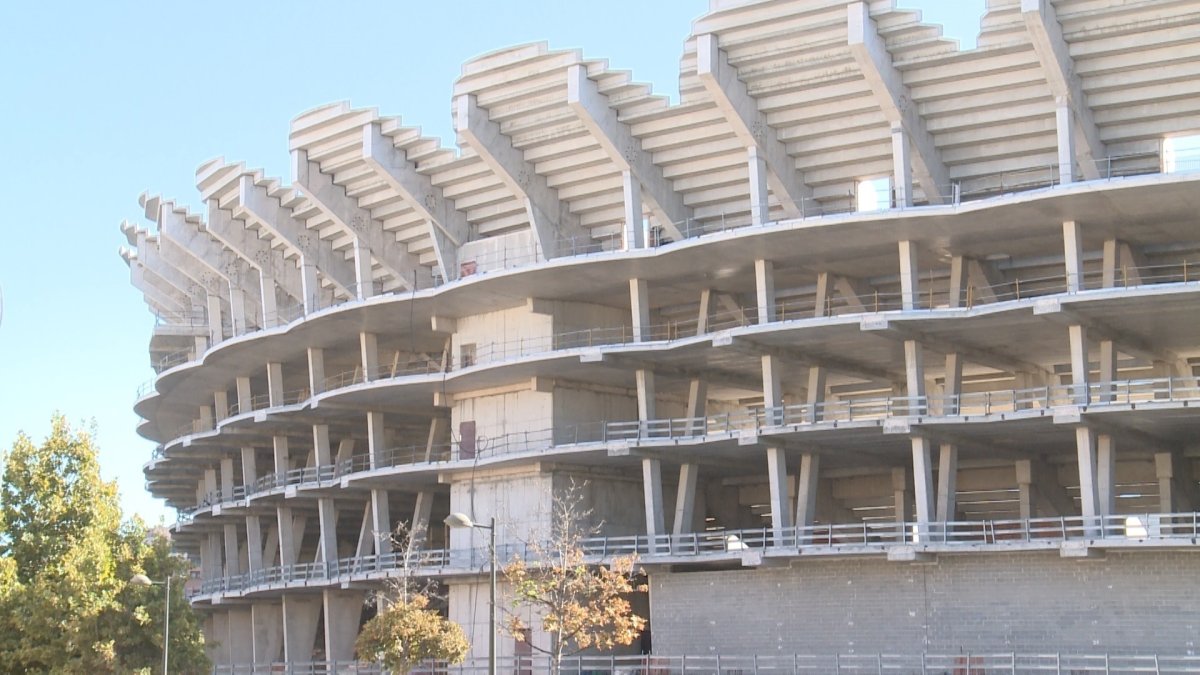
(100, 101)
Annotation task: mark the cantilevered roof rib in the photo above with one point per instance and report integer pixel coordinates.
(625, 150)
(887, 85)
(344, 210)
(270, 263)
(731, 95)
(549, 218)
(448, 227)
(1047, 36)
(258, 203)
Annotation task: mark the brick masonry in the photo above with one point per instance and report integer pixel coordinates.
(1031, 602)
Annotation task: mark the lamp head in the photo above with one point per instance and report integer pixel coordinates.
(140, 580)
(458, 520)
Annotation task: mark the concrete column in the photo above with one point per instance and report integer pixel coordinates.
(772, 387)
(901, 495)
(381, 522)
(760, 203)
(369, 349)
(217, 625)
(363, 278)
(705, 312)
(233, 561)
(310, 284)
(283, 461)
(1164, 471)
(275, 384)
(1108, 265)
(1089, 494)
(420, 521)
(366, 536)
(697, 404)
(635, 231)
(244, 395)
(268, 632)
(237, 310)
(821, 295)
(1024, 471)
(376, 440)
(639, 309)
(685, 499)
(1066, 140)
(300, 616)
(947, 506)
(438, 428)
(806, 490)
(205, 418)
(1106, 474)
(958, 282)
(227, 475)
(764, 285)
(923, 487)
(220, 405)
(316, 370)
(953, 388)
(777, 481)
(910, 287)
(286, 529)
(216, 332)
(1080, 367)
(270, 308)
(343, 612)
(815, 394)
(1108, 370)
(902, 167)
(652, 492)
(210, 483)
(914, 375)
(241, 636)
(1073, 255)
(326, 512)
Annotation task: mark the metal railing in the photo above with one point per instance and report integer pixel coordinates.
(970, 663)
(828, 539)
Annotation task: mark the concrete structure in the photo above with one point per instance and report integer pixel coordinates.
(869, 344)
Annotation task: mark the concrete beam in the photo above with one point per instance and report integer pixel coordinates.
(448, 227)
(270, 262)
(895, 101)
(341, 208)
(316, 252)
(625, 150)
(550, 218)
(1045, 32)
(721, 81)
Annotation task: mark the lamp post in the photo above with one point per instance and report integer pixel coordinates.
(143, 580)
(461, 520)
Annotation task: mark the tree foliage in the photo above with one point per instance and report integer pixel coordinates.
(580, 605)
(408, 632)
(65, 562)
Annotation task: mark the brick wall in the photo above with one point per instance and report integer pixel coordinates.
(1124, 602)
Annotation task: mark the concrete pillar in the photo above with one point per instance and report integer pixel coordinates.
(283, 460)
(220, 405)
(275, 384)
(1024, 471)
(1108, 371)
(233, 561)
(1080, 367)
(910, 287)
(363, 279)
(217, 625)
(369, 349)
(381, 522)
(685, 499)
(923, 487)
(240, 640)
(1164, 471)
(244, 395)
(326, 512)
(806, 490)
(705, 311)
(366, 532)
(237, 310)
(953, 388)
(1066, 140)
(914, 376)
(1089, 494)
(343, 612)
(376, 440)
(947, 506)
(815, 395)
(772, 387)
(300, 616)
(1073, 255)
(635, 231)
(268, 632)
(205, 418)
(760, 203)
(697, 405)
(316, 370)
(639, 309)
(958, 282)
(901, 495)
(652, 492)
(438, 434)
(419, 528)
(1106, 474)
(216, 332)
(902, 167)
(310, 284)
(227, 475)
(777, 481)
(821, 295)
(285, 526)
(270, 308)
(764, 285)
(645, 394)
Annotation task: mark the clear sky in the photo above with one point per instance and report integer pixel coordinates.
(100, 101)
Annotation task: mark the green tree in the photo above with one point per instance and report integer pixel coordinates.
(65, 562)
(580, 605)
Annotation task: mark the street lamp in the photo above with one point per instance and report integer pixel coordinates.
(143, 580)
(462, 521)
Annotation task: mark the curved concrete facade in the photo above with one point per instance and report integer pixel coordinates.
(860, 294)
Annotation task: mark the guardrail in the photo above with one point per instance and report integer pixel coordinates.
(830, 539)
(970, 663)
